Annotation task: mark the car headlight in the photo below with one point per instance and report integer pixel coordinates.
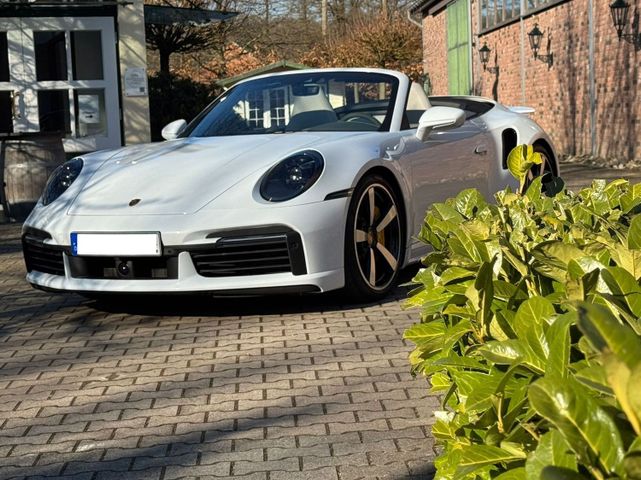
(292, 176)
(61, 179)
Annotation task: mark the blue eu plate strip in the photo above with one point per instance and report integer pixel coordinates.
(74, 243)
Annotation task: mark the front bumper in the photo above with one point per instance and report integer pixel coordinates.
(319, 226)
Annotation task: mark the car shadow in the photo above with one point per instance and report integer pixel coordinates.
(208, 305)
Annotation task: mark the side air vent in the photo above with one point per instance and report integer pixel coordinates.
(40, 256)
(510, 140)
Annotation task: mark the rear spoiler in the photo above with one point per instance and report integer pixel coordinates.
(522, 110)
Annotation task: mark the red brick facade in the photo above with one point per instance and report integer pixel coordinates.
(560, 93)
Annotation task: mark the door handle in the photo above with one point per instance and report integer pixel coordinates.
(480, 150)
(15, 105)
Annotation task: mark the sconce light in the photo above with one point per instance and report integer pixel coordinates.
(484, 53)
(620, 9)
(536, 36)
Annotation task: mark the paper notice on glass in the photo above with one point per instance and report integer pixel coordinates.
(89, 108)
(136, 82)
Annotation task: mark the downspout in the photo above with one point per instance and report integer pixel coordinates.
(412, 21)
(522, 24)
(592, 78)
(472, 45)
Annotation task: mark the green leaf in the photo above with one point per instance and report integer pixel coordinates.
(454, 274)
(553, 257)
(624, 288)
(424, 332)
(595, 378)
(631, 199)
(454, 334)
(552, 450)
(431, 300)
(558, 336)
(459, 362)
(511, 352)
(634, 398)
(513, 474)
(531, 320)
(587, 428)
(463, 244)
(521, 159)
(626, 258)
(469, 201)
(618, 375)
(634, 234)
(475, 457)
(447, 213)
(440, 382)
(604, 331)
(476, 389)
(632, 465)
(485, 287)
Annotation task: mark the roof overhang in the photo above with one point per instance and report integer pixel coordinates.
(65, 4)
(280, 66)
(167, 15)
(428, 7)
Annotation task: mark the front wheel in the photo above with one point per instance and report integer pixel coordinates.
(374, 239)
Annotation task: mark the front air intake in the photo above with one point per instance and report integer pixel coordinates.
(251, 255)
(40, 256)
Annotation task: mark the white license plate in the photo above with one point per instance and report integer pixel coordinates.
(116, 244)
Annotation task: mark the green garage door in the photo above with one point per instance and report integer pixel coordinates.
(458, 48)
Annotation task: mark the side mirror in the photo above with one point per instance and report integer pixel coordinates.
(173, 129)
(439, 118)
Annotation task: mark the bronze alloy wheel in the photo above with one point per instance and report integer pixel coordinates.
(374, 237)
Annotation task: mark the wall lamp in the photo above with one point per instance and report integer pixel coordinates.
(536, 36)
(484, 53)
(620, 9)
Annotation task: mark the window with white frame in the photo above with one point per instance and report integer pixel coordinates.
(497, 12)
(255, 109)
(278, 108)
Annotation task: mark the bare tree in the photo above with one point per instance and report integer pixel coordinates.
(181, 37)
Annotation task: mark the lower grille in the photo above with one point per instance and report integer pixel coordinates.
(251, 255)
(42, 257)
(135, 268)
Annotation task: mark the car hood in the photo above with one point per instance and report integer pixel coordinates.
(180, 177)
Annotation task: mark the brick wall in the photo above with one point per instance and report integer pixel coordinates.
(435, 51)
(561, 93)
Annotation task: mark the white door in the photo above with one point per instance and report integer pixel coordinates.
(63, 79)
(10, 74)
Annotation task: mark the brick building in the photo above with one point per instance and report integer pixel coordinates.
(587, 96)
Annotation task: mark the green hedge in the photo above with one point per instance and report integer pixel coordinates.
(530, 329)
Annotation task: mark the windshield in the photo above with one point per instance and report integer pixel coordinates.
(321, 101)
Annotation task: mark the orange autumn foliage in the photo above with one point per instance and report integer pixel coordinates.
(385, 41)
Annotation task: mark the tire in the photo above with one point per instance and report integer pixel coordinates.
(373, 237)
(545, 170)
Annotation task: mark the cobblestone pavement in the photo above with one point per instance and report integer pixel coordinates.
(268, 388)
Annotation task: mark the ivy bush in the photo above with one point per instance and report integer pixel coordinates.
(530, 329)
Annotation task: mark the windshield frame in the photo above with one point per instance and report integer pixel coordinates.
(394, 79)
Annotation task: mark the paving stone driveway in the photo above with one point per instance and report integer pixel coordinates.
(276, 388)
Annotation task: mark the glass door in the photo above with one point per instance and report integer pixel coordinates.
(11, 117)
(64, 80)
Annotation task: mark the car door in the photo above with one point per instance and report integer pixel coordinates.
(448, 162)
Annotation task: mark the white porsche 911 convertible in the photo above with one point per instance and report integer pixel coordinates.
(293, 182)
